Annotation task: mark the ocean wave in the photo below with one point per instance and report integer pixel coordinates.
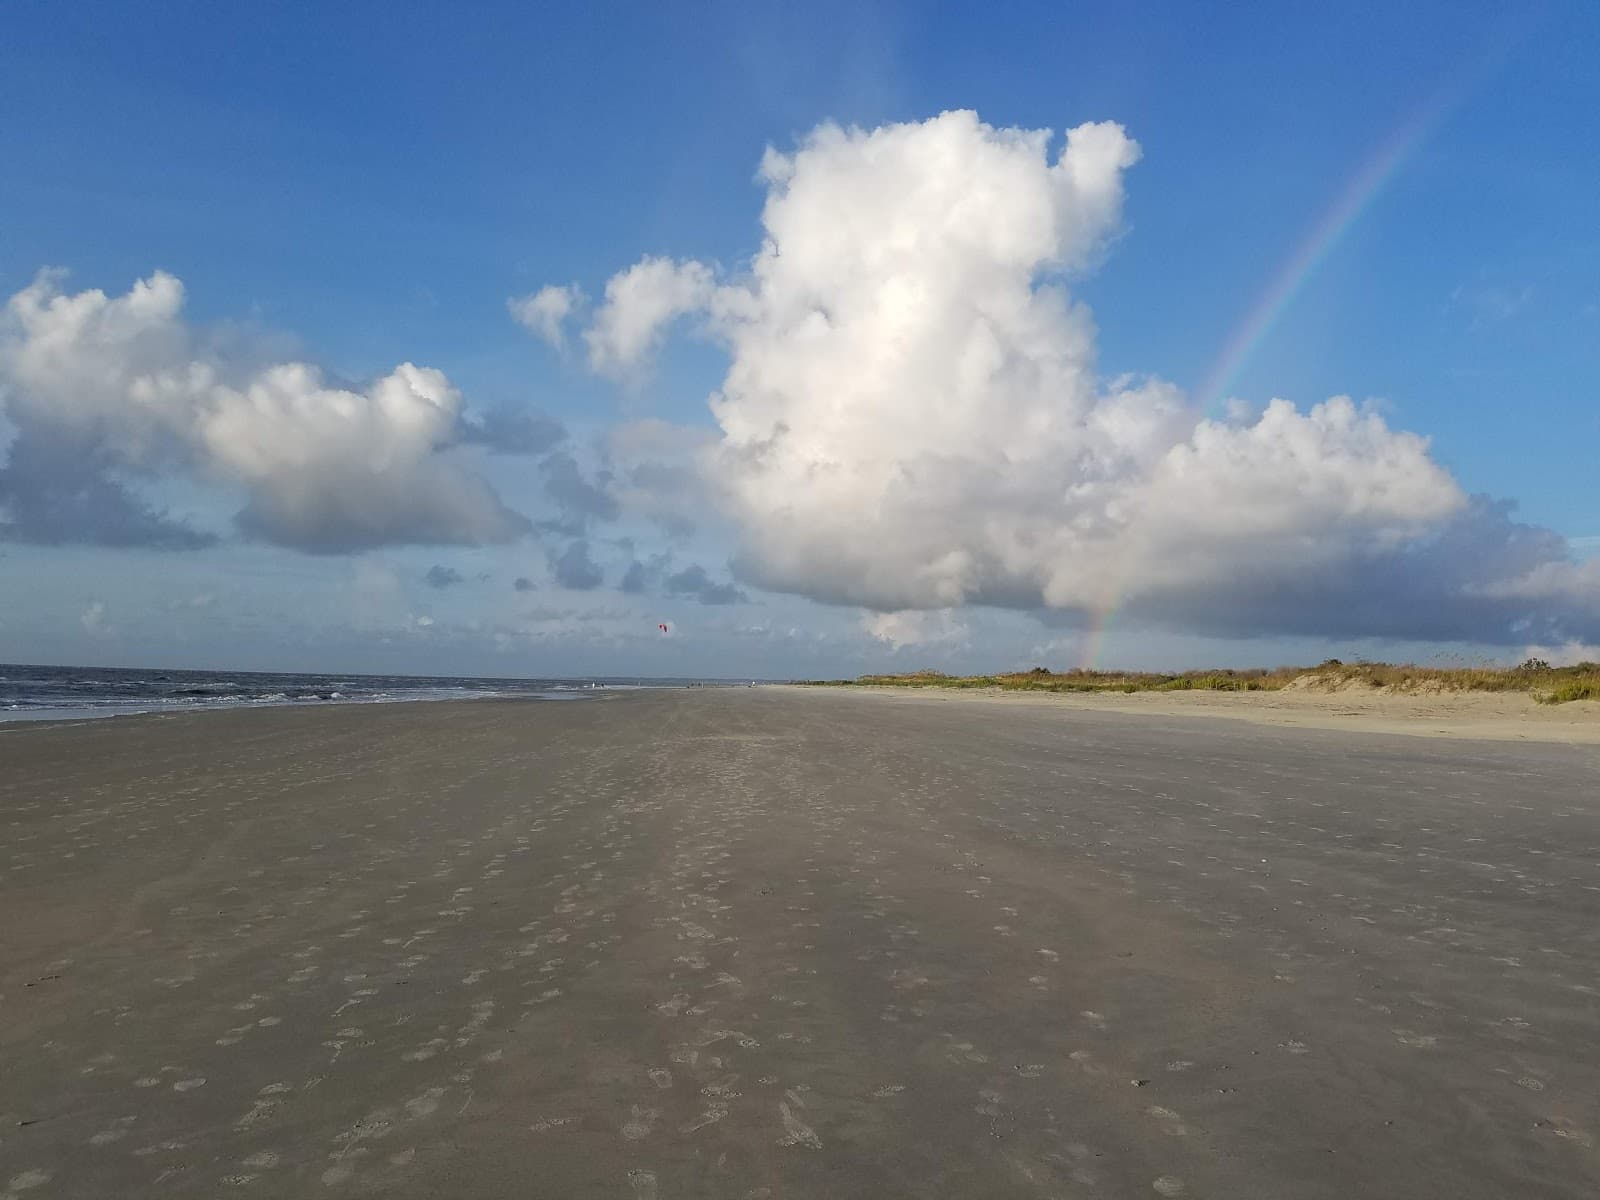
(108, 691)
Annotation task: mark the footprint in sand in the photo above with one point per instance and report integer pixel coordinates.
(640, 1123)
(715, 1111)
(117, 1131)
(795, 1131)
(425, 1104)
(1170, 1121)
(425, 1051)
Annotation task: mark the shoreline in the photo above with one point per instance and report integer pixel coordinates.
(61, 716)
(1487, 716)
(43, 693)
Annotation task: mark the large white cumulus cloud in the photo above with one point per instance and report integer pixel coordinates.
(913, 417)
(99, 387)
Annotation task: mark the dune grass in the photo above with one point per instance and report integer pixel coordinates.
(1541, 681)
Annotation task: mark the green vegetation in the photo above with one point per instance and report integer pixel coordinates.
(1544, 683)
(1577, 689)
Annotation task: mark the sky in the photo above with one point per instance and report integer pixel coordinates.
(834, 338)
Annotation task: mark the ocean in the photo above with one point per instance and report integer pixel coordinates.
(56, 693)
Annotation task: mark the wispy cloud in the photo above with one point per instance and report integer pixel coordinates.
(1490, 303)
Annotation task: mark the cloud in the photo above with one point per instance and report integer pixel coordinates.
(128, 388)
(442, 577)
(93, 618)
(913, 418)
(522, 584)
(694, 582)
(639, 304)
(575, 569)
(658, 473)
(636, 578)
(641, 576)
(599, 625)
(545, 312)
(1573, 584)
(1490, 303)
(915, 628)
(52, 494)
(503, 431)
(578, 498)
(1465, 579)
(1568, 655)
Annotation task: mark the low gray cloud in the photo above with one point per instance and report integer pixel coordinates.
(443, 577)
(522, 584)
(693, 582)
(642, 575)
(579, 499)
(574, 568)
(1482, 577)
(636, 578)
(506, 431)
(51, 495)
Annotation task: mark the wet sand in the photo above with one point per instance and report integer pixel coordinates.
(790, 943)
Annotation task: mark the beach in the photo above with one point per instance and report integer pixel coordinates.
(1477, 716)
(787, 942)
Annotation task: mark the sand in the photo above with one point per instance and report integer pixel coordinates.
(1493, 716)
(791, 943)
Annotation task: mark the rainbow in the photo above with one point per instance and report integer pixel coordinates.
(1352, 202)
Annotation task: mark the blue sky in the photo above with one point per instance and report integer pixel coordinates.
(357, 186)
